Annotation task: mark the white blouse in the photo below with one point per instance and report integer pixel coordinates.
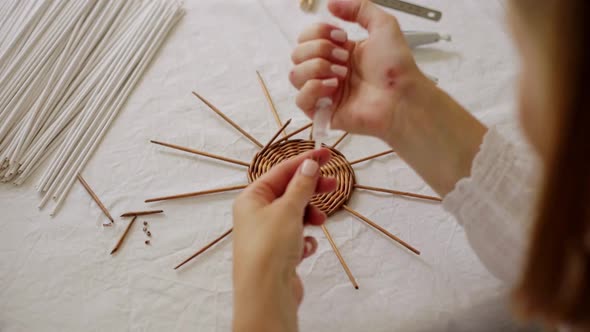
(494, 204)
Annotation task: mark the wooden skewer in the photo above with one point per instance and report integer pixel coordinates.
(201, 153)
(339, 140)
(276, 134)
(340, 258)
(202, 250)
(396, 192)
(270, 102)
(122, 237)
(95, 198)
(140, 213)
(372, 157)
(295, 132)
(197, 193)
(381, 229)
(228, 120)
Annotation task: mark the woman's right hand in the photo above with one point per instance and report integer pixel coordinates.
(378, 90)
(369, 81)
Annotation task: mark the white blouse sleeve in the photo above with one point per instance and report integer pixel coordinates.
(493, 205)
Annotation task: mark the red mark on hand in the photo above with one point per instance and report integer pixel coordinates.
(390, 76)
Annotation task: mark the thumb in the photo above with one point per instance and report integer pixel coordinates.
(364, 12)
(302, 186)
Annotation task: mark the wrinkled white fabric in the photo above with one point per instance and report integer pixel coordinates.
(494, 204)
(56, 273)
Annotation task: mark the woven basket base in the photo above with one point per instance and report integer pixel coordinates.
(338, 167)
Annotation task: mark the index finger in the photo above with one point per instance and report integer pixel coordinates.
(328, 32)
(273, 184)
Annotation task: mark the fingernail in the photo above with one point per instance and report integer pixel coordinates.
(340, 54)
(338, 35)
(309, 167)
(332, 82)
(339, 70)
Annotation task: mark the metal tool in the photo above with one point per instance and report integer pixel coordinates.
(420, 38)
(410, 8)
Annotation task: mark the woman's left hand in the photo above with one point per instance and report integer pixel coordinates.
(268, 244)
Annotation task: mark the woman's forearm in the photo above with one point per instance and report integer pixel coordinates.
(436, 136)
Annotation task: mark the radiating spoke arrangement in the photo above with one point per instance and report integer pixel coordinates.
(276, 140)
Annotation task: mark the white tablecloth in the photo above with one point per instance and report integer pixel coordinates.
(56, 274)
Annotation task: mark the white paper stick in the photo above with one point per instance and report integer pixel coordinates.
(131, 83)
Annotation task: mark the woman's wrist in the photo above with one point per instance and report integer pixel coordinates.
(435, 135)
(263, 300)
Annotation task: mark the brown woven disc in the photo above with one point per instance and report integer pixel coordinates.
(338, 167)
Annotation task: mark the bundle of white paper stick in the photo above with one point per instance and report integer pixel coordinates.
(66, 69)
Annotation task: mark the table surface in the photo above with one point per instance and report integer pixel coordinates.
(56, 274)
